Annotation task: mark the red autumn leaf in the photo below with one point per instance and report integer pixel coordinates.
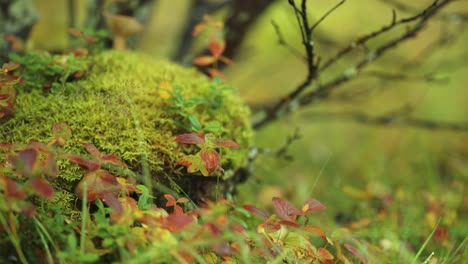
(171, 201)
(111, 200)
(82, 162)
(74, 32)
(51, 168)
(441, 233)
(210, 159)
(226, 60)
(216, 47)
(90, 39)
(92, 150)
(178, 209)
(39, 146)
(27, 162)
(176, 222)
(98, 183)
(225, 143)
(271, 227)
(61, 130)
(41, 187)
(185, 161)
(113, 159)
(355, 253)
(260, 212)
(4, 96)
(289, 223)
(312, 206)
(238, 228)
(204, 60)
(284, 209)
(6, 145)
(192, 162)
(192, 138)
(324, 254)
(223, 249)
(108, 178)
(315, 230)
(13, 189)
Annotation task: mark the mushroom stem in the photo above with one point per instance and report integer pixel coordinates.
(119, 42)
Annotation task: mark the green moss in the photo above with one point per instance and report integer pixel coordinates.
(118, 107)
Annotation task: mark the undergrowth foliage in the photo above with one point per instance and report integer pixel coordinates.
(120, 222)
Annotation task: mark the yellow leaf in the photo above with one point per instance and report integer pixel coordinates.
(165, 90)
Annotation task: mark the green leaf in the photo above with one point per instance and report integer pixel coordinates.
(144, 196)
(213, 128)
(194, 123)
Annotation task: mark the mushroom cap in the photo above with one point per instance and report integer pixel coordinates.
(123, 25)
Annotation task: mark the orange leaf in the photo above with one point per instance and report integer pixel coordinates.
(215, 72)
(324, 254)
(210, 160)
(312, 206)
(204, 60)
(171, 201)
(226, 143)
(226, 60)
(192, 138)
(216, 47)
(198, 28)
(356, 253)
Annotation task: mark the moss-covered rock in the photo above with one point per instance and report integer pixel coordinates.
(133, 106)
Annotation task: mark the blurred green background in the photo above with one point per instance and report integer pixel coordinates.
(390, 185)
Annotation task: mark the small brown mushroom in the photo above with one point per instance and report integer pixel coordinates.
(122, 27)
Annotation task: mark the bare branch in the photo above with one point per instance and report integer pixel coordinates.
(296, 99)
(327, 14)
(282, 41)
(306, 34)
(282, 152)
(389, 120)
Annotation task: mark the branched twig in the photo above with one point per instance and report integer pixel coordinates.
(297, 99)
(327, 14)
(282, 152)
(312, 65)
(324, 90)
(282, 41)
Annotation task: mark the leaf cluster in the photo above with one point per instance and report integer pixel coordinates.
(42, 70)
(207, 159)
(186, 107)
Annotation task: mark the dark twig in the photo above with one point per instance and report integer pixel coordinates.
(327, 14)
(323, 91)
(282, 41)
(282, 152)
(389, 120)
(312, 66)
(364, 39)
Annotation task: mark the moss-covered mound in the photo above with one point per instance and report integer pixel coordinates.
(133, 106)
